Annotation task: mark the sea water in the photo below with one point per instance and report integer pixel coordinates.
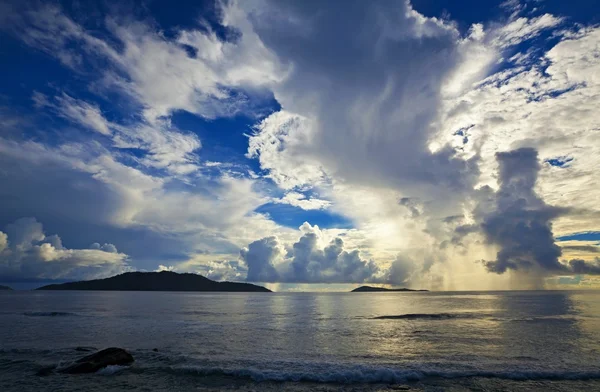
(528, 340)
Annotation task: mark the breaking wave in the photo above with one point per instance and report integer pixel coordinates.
(111, 369)
(152, 365)
(367, 375)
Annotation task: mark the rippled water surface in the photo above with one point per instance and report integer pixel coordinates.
(278, 341)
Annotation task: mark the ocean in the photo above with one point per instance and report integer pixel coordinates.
(430, 341)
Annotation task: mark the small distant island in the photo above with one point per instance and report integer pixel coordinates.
(5, 287)
(157, 281)
(367, 289)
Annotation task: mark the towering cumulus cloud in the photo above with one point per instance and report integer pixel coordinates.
(517, 221)
(309, 260)
(26, 252)
(361, 95)
(259, 257)
(521, 224)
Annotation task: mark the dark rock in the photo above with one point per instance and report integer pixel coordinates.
(94, 362)
(155, 350)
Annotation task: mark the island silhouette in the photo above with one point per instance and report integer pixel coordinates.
(367, 289)
(5, 287)
(156, 281)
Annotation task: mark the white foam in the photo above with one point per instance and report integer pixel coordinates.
(388, 375)
(110, 370)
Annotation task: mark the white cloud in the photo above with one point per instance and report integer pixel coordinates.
(26, 252)
(281, 143)
(313, 258)
(110, 248)
(164, 268)
(165, 146)
(83, 113)
(75, 110)
(522, 29)
(215, 266)
(3, 241)
(156, 71)
(300, 200)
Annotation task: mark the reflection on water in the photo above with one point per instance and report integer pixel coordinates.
(587, 308)
(538, 326)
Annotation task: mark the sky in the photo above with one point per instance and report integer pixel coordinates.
(444, 145)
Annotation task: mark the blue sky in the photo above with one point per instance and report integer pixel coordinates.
(298, 143)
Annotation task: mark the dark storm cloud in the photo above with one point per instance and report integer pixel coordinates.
(521, 224)
(580, 266)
